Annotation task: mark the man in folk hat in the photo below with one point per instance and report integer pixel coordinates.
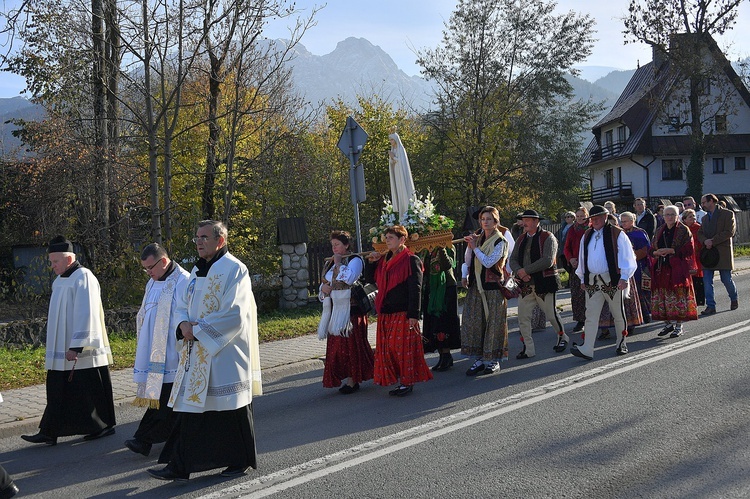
(533, 264)
(79, 389)
(156, 356)
(606, 262)
(717, 229)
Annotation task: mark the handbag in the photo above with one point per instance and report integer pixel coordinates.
(363, 297)
(510, 289)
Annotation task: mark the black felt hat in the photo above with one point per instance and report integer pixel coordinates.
(597, 209)
(529, 214)
(59, 244)
(709, 257)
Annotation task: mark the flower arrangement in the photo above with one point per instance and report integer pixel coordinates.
(420, 219)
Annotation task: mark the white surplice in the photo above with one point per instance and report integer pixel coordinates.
(221, 370)
(76, 320)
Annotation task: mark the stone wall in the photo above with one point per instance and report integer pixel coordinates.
(294, 278)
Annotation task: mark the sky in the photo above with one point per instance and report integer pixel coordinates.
(401, 27)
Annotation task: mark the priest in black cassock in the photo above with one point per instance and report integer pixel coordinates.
(219, 370)
(79, 389)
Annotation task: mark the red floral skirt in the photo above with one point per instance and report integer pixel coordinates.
(349, 357)
(672, 302)
(399, 355)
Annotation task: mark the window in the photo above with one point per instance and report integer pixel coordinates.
(739, 163)
(608, 138)
(621, 134)
(720, 123)
(609, 176)
(671, 169)
(674, 122)
(718, 165)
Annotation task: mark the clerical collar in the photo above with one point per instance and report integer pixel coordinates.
(170, 268)
(73, 267)
(204, 265)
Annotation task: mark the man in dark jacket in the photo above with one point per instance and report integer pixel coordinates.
(717, 229)
(645, 218)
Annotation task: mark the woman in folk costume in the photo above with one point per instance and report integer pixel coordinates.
(349, 355)
(441, 326)
(641, 244)
(672, 296)
(399, 357)
(572, 245)
(689, 218)
(484, 332)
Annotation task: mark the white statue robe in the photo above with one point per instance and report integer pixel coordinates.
(221, 370)
(76, 320)
(402, 184)
(156, 355)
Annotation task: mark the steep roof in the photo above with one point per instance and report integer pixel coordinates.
(652, 83)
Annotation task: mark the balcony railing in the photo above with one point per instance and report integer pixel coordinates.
(607, 151)
(621, 192)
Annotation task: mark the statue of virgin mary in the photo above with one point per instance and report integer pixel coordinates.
(402, 185)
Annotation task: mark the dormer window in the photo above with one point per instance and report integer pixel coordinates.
(674, 124)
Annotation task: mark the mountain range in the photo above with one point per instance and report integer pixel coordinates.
(356, 67)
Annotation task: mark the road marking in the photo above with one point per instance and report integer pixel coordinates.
(326, 465)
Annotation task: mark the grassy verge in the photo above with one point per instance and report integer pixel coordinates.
(25, 366)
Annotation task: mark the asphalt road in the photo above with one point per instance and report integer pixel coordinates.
(671, 419)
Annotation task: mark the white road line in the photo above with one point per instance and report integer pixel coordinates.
(353, 456)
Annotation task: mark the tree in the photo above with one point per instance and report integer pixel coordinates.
(681, 33)
(500, 72)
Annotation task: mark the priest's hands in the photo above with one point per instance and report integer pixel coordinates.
(186, 328)
(71, 355)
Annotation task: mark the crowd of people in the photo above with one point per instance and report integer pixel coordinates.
(197, 365)
(625, 269)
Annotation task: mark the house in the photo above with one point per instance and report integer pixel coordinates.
(641, 148)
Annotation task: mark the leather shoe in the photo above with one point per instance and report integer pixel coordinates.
(40, 438)
(446, 362)
(579, 327)
(234, 471)
(404, 390)
(735, 305)
(476, 368)
(522, 356)
(561, 345)
(492, 368)
(138, 447)
(575, 351)
(603, 335)
(346, 390)
(109, 430)
(709, 311)
(9, 491)
(166, 473)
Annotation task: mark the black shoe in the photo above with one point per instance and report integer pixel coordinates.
(735, 305)
(476, 368)
(575, 351)
(522, 355)
(622, 348)
(561, 345)
(709, 311)
(235, 471)
(40, 438)
(677, 332)
(579, 327)
(445, 364)
(603, 335)
(404, 390)
(9, 491)
(109, 430)
(667, 329)
(166, 473)
(346, 390)
(138, 447)
(439, 365)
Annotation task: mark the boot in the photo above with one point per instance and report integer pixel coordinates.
(446, 363)
(439, 365)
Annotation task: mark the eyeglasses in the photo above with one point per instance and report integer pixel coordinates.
(151, 267)
(202, 238)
